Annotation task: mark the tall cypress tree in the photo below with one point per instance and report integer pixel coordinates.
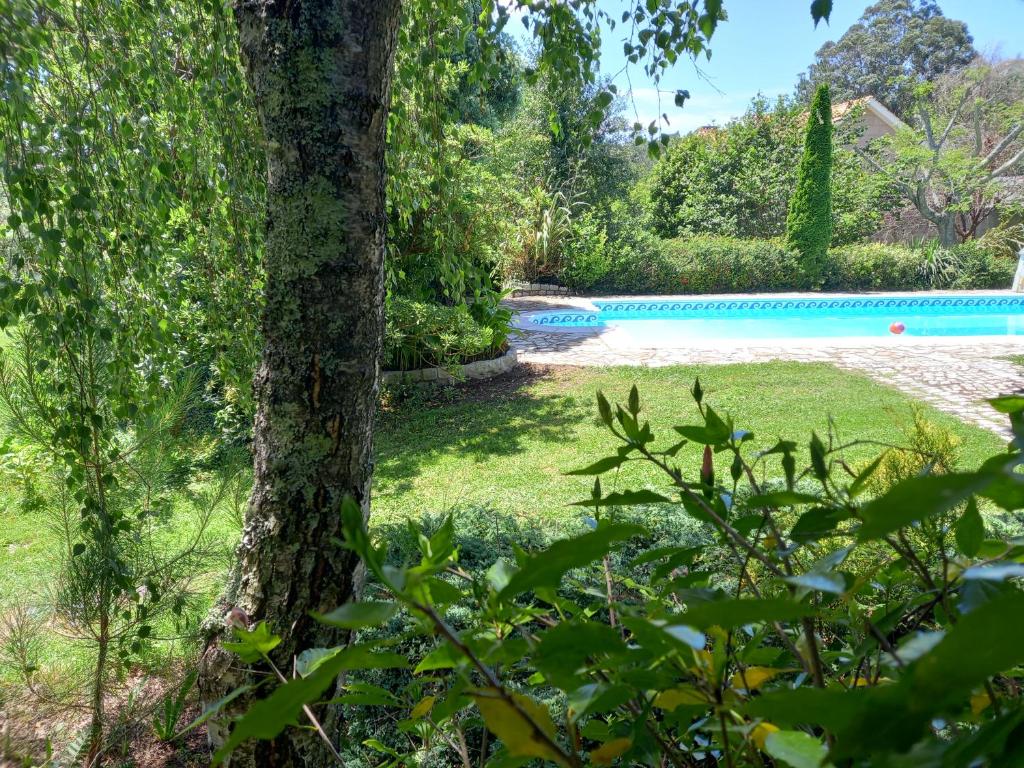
(809, 223)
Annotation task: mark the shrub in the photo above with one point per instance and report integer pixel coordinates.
(585, 258)
(981, 267)
(640, 263)
(873, 267)
(889, 267)
(809, 223)
(422, 334)
(729, 265)
(836, 627)
(930, 447)
(706, 264)
(637, 263)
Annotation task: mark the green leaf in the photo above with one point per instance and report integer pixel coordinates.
(817, 524)
(819, 582)
(601, 466)
(445, 656)
(915, 499)
(818, 465)
(253, 645)
(572, 645)
(358, 615)
(830, 708)
(625, 499)
(796, 749)
(995, 572)
(983, 643)
(714, 432)
(547, 567)
(1008, 404)
(661, 637)
(307, 661)
(970, 530)
(860, 482)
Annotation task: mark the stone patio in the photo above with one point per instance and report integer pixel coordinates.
(953, 375)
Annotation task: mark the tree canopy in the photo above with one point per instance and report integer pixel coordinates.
(895, 46)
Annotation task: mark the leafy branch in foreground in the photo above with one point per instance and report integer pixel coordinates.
(831, 617)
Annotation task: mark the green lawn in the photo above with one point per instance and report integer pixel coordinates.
(506, 447)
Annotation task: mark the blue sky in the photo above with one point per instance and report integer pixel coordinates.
(764, 46)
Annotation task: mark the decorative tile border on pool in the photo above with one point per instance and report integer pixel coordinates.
(848, 305)
(567, 318)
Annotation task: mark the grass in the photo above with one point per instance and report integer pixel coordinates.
(505, 448)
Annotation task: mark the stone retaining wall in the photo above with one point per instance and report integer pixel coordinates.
(481, 369)
(538, 289)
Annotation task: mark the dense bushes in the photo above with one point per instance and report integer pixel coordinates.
(422, 334)
(874, 267)
(731, 265)
(881, 267)
(727, 265)
(979, 267)
(585, 257)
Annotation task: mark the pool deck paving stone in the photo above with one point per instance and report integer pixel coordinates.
(955, 376)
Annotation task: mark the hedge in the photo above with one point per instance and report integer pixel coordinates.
(733, 265)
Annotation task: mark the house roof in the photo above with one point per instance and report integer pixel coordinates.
(870, 104)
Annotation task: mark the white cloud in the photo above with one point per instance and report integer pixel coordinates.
(711, 108)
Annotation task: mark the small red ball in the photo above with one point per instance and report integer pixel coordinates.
(897, 328)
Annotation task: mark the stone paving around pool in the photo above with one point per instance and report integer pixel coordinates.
(952, 375)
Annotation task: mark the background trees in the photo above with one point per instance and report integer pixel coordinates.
(968, 136)
(738, 179)
(896, 46)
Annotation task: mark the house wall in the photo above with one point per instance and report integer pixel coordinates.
(874, 127)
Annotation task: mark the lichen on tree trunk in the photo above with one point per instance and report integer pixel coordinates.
(320, 73)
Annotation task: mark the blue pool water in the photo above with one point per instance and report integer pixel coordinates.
(657, 320)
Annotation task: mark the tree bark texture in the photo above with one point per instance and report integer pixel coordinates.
(320, 71)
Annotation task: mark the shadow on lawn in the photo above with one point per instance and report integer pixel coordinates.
(498, 417)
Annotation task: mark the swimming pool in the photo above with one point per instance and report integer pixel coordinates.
(667, 321)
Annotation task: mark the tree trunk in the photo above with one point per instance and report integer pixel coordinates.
(945, 223)
(320, 71)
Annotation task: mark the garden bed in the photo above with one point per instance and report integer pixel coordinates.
(480, 369)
